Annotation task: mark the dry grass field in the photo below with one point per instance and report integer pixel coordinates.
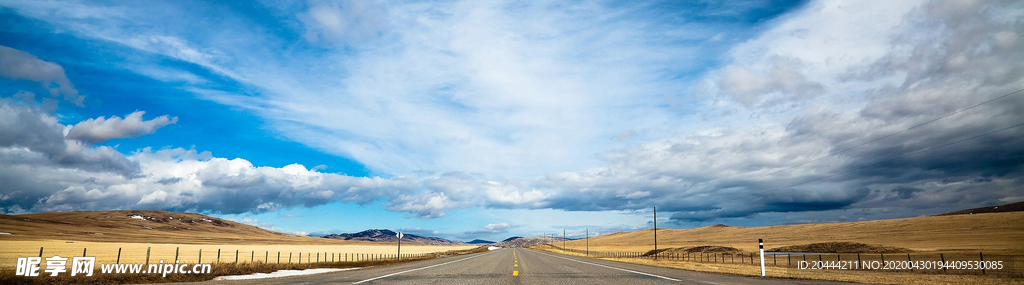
(996, 233)
(101, 234)
(872, 277)
(958, 237)
(106, 252)
(148, 226)
(185, 235)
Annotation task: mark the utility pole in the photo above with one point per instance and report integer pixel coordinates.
(588, 242)
(655, 232)
(563, 240)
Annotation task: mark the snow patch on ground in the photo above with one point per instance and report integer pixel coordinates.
(5, 233)
(207, 220)
(283, 273)
(137, 217)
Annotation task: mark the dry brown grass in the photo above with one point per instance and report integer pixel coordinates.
(189, 253)
(166, 235)
(992, 233)
(221, 269)
(959, 237)
(863, 276)
(164, 227)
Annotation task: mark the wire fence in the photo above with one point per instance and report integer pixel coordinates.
(976, 263)
(137, 255)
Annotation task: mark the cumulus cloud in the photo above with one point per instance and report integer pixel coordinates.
(20, 65)
(31, 136)
(489, 229)
(97, 130)
(524, 96)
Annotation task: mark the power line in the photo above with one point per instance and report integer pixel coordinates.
(884, 137)
(898, 157)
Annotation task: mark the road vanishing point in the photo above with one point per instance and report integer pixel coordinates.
(518, 266)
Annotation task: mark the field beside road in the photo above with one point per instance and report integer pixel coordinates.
(728, 249)
(996, 233)
(859, 276)
(148, 226)
(129, 236)
(107, 252)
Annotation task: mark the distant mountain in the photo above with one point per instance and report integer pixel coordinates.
(480, 241)
(1014, 207)
(376, 235)
(527, 242)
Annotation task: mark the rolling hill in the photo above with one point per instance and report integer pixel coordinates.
(990, 232)
(148, 226)
(1014, 207)
(527, 242)
(375, 235)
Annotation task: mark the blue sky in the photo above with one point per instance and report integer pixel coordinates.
(481, 119)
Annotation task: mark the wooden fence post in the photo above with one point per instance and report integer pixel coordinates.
(982, 256)
(147, 254)
(200, 256)
(40, 251)
(236, 256)
(218, 255)
(83, 251)
(118, 255)
(943, 258)
(176, 253)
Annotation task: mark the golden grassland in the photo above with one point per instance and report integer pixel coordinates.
(218, 269)
(106, 252)
(185, 235)
(874, 277)
(959, 237)
(996, 233)
(156, 227)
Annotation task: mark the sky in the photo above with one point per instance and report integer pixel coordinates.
(490, 119)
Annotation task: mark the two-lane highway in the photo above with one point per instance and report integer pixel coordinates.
(519, 266)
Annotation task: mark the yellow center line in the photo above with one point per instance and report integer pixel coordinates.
(515, 262)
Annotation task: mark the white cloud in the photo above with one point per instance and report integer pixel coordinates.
(497, 227)
(352, 23)
(509, 106)
(97, 130)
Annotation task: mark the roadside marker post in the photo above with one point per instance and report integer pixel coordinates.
(399, 235)
(760, 247)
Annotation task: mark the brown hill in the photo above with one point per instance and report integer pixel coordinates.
(142, 226)
(528, 242)
(1014, 207)
(840, 247)
(991, 232)
(376, 235)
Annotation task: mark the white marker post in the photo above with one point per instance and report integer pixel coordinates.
(399, 235)
(760, 245)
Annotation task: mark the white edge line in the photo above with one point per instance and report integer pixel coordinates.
(616, 268)
(421, 268)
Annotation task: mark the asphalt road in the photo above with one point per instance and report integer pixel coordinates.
(519, 266)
